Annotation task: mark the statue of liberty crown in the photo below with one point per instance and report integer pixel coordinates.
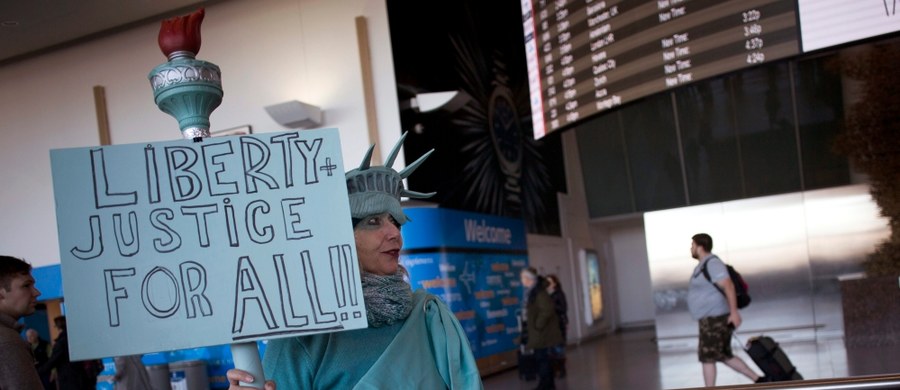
(377, 189)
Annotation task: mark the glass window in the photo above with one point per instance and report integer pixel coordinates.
(739, 139)
(604, 166)
(652, 149)
(709, 140)
(764, 118)
(820, 114)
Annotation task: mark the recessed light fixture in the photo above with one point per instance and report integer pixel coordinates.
(9, 23)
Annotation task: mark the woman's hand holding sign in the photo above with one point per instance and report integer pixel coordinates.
(235, 377)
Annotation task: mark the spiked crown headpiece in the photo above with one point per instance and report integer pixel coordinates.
(376, 190)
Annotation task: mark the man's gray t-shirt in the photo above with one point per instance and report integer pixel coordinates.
(704, 299)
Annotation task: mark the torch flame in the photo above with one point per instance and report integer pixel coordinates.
(181, 33)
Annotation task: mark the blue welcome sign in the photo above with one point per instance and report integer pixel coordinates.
(174, 245)
(472, 261)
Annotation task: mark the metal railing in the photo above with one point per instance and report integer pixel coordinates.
(888, 381)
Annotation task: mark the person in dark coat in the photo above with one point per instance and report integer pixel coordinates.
(558, 353)
(69, 375)
(18, 298)
(542, 325)
(40, 348)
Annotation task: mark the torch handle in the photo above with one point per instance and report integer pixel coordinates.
(246, 357)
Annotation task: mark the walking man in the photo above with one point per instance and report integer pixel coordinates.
(717, 313)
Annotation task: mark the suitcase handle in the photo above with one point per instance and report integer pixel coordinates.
(743, 346)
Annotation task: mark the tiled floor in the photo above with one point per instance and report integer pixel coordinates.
(630, 360)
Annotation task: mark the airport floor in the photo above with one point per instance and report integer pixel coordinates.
(630, 360)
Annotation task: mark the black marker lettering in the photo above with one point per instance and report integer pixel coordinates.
(186, 185)
(309, 153)
(96, 248)
(344, 274)
(231, 224)
(256, 235)
(152, 174)
(127, 248)
(253, 166)
(312, 291)
(248, 288)
(193, 283)
(212, 157)
(285, 140)
(200, 212)
(292, 221)
(291, 320)
(156, 219)
(115, 293)
(153, 292)
(102, 196)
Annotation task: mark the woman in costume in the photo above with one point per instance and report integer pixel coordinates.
(413, 340)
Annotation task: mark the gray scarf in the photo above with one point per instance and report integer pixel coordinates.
(388, 297)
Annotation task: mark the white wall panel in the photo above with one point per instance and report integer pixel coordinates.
(270, 51)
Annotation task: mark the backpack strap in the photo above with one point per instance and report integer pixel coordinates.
(708, 278)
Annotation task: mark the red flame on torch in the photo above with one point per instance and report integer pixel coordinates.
(181, 33)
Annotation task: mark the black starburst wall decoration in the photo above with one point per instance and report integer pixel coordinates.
(486, 158)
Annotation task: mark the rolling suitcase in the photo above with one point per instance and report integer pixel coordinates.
(526, 360)
(527, 364)
(771, 359)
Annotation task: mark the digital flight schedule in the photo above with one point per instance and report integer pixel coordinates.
(588, 56)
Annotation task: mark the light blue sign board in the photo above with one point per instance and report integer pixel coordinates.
(472, 261)
(175, 245)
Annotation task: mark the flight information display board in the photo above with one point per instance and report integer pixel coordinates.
(588, 56)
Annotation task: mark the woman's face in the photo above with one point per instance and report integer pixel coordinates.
(378, 244)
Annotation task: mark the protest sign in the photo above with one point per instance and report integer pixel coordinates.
(173, 245)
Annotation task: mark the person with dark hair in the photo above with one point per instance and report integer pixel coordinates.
(542, 324)
(18, 297)
(40, 348)
(558, 352)
(717, 314)
(92, 369)
(413, 340)
(69, 375)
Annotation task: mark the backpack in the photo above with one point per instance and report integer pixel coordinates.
(740, 286)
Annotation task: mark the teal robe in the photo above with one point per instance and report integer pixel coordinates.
(429, 350)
